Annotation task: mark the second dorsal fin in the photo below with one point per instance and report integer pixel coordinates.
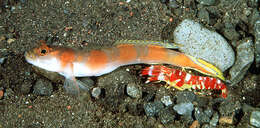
(164, 44)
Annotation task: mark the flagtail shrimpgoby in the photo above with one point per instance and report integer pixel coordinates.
(73, 63)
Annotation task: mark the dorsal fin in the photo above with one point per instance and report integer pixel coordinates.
(164, 44)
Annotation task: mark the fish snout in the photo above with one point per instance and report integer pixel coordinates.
(29, 56)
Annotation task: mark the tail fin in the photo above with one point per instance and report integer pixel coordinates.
(210, 69)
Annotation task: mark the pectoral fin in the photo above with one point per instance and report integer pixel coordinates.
(74, 86)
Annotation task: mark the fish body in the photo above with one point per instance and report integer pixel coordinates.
(73, 63)
(182, 80)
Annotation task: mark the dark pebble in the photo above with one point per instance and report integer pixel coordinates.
(231, 34)
(244, 59)
(88, 83)
(203, 116)
(185, 96)
(135, 108)
(203, 14)
(166, 116)
(25, 88)
(163, 95)
(133, 90)
(151, 109)
(227, 108)
(113, 87)
(43, 88)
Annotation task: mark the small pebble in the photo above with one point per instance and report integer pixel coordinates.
(1, 93)
(214, 120)
(151, 109)
(226, 120)
(206, 2)
(96, 92)
(133, 91)
(173, 4)
(11, 29)
(206, 126)
(2, 38)
(195, 124)
(255, 118)
(10, 40)
(257, 42)
(43, 88)
(166, 100)
(2, 60)
(184, 108)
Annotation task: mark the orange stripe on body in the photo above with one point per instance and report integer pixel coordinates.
(97, 59)
(180, 60)
(127, 53)
(66, 57)
(154, 53)
(80, 57)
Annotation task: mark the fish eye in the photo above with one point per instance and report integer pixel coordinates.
(43, 51)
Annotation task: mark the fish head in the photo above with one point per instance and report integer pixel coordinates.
(43, 57)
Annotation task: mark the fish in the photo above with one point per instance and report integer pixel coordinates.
(182, 80)
(72, 63)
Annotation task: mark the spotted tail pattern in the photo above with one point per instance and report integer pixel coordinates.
(182, 80)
